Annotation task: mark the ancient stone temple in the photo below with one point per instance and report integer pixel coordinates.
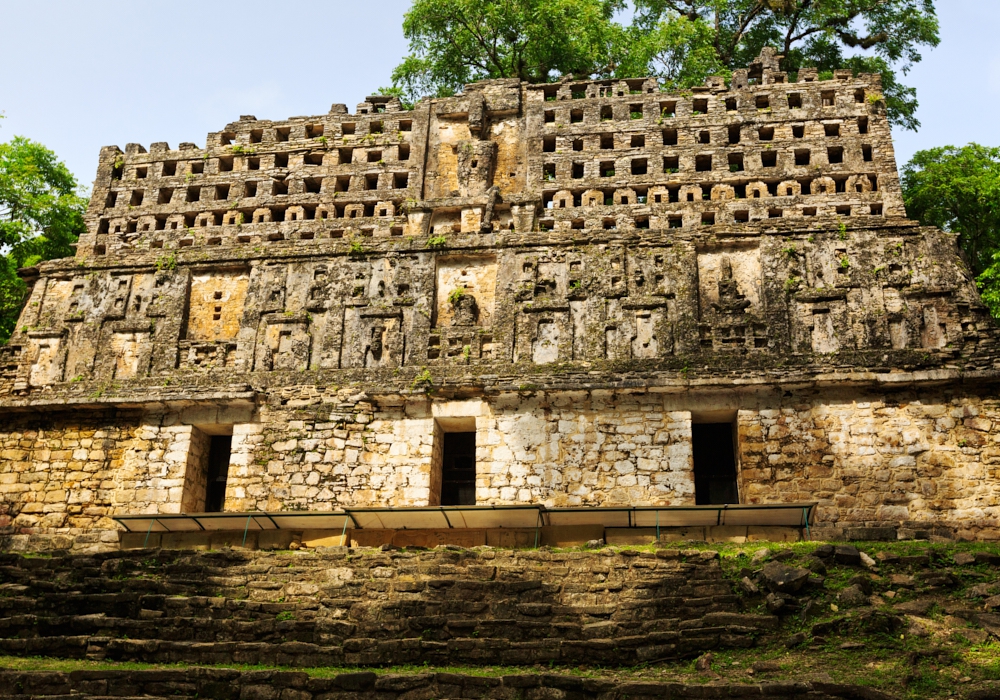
(576, 294)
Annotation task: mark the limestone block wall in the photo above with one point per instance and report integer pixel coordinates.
(564, 450)
(922, 460)
(60, 475)
(918, 459)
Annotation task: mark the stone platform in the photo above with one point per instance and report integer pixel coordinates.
(367, 607)
(225, 684)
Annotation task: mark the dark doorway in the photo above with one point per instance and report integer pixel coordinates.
(714, 464)
(458, 470)
(218, 471)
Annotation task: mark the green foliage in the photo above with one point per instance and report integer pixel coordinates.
(166, 262)
(394, 91)
(356, 247)
(436, 241)
(41, 216)
(423, 381)
(958, 190)
(825, 34)
(456, 295)
(454, 42)
(989, 285)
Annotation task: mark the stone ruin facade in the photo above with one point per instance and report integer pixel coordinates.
(583, 293)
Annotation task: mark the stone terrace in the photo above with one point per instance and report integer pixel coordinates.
(370, 608)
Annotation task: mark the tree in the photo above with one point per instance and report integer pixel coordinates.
(958, 190)
(826, 34)
(453, 42)
(41, 215)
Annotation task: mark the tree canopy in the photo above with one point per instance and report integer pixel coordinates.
(41, 215)
(958, 190)
(453, 42)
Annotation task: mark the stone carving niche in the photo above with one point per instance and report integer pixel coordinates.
(465, 297)
(729, 298)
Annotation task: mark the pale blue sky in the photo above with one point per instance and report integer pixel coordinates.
(80, 75)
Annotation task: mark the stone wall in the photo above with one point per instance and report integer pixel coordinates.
(366, 607)
(58, 474)
(575, 271)
(225, 684)
(914, 460)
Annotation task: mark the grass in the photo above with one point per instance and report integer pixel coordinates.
(908, 668)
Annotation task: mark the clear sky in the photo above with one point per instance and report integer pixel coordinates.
(80, 75)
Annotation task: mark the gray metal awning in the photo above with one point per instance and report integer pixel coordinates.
(477, 517)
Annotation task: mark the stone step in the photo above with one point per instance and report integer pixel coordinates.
(365, 651)
(328, 630)
(230, 684)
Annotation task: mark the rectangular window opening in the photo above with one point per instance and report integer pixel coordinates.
(458, 469)
(714, 464)
(219, 450)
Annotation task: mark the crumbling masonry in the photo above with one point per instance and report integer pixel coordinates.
(595, 280)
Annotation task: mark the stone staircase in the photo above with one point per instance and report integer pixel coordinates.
(226, 684)
(367, 607)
